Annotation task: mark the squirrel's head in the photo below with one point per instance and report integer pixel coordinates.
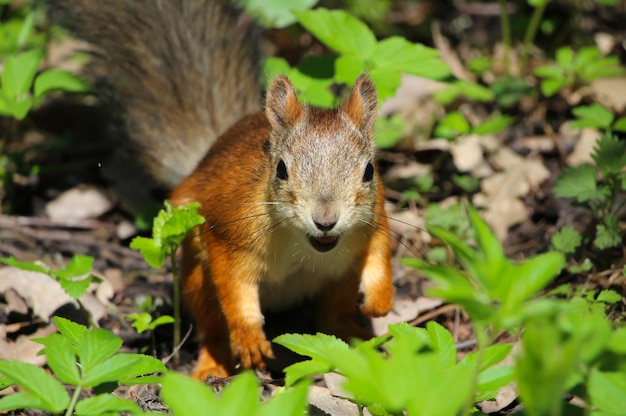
(324, 179)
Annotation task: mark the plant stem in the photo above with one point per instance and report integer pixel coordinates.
(531, 31)
(176, 301)
(506, 34)
(482, 342)
(70, 408)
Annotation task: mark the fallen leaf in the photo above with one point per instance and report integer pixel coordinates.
(79, 203)
(584, 148)
(611, 92)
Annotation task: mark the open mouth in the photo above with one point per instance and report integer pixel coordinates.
(324, 243)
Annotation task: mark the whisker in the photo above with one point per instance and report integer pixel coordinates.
(396, 236)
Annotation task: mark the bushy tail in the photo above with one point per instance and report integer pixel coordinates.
(182, 71)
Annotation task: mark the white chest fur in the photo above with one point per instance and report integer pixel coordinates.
(295, 270)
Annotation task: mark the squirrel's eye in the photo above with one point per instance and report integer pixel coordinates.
(368, 175)
(281, 170)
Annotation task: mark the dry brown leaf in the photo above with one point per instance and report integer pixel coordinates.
(324, 403)
(467, 153)
(42, 294)
(610, 92)
(501, 191)
(584, 147)
(79, 203)
(23, 348)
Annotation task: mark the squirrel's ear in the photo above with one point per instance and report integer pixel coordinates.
(282, 107)
(361, 107)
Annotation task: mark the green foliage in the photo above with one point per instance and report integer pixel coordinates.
(275, 13)
(454, 124)
(74, 278)
(144, 322)
(359, 51)
(401, 379)
(458, 88)
(495, 291)
(566, 346)
(22, 52)
(574, 68)
(579, 182)
(83, 358)
(169, 229)
(566, 240)
(241, 397)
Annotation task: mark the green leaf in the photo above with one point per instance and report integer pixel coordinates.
(95, 346)
(340, 31)
(291, 401)
(320, 346)
(79, 265)
(389, 131)
(550, 71)
(105, 403)
(617, 341)
(70, 330)
(494, 124)
(609, 154)
(606, 390)
(593, 115)
(276, 13)
(19, 71)
(566, 240)
(122, 368)
(609, 296)
(533, 275)
(170, 227)
(50, 395)
(17, 401)
(25, 265)
(452, 125)
(61, 358)
(188, 397)
(579, 182)
(140, 321)
(549, 87)
(493, 379)
(441, 340)
(608, 234)
(58, 79)
(151, 251)
(620, 125)
(75, 288)
(241, 396)
(565, 57)
(398, 54)
(302, 369)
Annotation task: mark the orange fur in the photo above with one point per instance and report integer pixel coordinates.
(235, 257)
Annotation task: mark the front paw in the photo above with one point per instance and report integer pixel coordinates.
(250, 345)
(377, 304)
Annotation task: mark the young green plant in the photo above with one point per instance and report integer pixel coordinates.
(74, 278)
(170, 227)
(83, 358)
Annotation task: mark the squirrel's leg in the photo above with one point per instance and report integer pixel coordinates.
(215, 358)
(338, 302)
(235, 278)
(376, 281)
(337, 309)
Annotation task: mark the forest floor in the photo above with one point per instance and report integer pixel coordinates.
(85, 197)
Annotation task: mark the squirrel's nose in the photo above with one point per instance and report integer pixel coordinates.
(325, 224)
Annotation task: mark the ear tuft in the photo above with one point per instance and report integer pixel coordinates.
(282, 107)
(361, 107)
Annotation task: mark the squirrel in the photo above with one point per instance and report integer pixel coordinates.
(291, 194)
